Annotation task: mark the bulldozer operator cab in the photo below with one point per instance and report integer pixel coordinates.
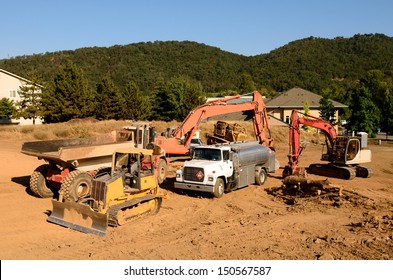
(135, 165)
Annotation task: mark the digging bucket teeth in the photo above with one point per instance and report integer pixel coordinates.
(78, 217)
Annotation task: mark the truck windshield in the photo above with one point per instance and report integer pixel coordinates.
(207, 154)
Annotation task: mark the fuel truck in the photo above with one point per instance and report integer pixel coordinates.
(225, 167)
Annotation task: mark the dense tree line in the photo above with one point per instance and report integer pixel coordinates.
(68, 97)
(165, 80)
(371, 103)
(312, 63)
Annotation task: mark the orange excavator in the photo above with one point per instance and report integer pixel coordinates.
(180, 138)
(178, 142)
(344, 153)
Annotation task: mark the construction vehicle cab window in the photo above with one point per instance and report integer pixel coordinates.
(207, 154)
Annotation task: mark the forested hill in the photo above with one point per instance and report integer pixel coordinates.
(316, 63)
(144, 63)
(311, 63)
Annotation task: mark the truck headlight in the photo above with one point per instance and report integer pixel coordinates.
(210, 179)
(178, 175)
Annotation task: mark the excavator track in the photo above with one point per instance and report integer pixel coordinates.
(332, 170)
(123, 213)
(363, 171)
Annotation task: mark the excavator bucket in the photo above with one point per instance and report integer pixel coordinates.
(79, 217)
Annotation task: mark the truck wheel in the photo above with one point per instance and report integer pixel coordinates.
(161, 171)
(218, 189)
(38, 182)
(77, 184)
(261, 177)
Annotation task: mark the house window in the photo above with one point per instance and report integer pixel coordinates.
(12, 93)
(287, 119)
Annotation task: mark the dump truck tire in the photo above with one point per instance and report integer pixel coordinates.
(38, 182)
(77, 184)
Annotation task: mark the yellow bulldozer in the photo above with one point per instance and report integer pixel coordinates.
(225, 132)
(130, 190)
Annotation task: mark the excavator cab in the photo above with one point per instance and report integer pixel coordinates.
(349, 147)
(345, 150)
(353, 147)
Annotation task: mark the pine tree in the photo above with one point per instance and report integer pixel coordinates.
(136, 105)
(389, 114)
(160, 102)
(29, 107)
(68, 96)
(7, 108)
(184, 96)
(109, 101)
(245, 84)
(327, 110)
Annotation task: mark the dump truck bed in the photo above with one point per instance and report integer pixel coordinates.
(83, 150)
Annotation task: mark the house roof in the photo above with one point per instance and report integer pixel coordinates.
(17, 77)
(296, 98)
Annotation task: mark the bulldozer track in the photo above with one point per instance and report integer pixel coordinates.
(114, 210)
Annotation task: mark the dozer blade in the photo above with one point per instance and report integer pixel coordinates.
(79, 217)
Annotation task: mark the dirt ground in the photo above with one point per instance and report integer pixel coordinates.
(251, 223)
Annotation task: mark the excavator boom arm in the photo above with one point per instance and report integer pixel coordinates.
(190, 125)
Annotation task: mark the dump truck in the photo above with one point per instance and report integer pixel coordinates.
(130, 190)
(225, 167)
(71, 164)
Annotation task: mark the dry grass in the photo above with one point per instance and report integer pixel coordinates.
(91, 128)
(72, 129)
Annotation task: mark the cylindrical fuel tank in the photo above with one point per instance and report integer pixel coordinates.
(251, 152)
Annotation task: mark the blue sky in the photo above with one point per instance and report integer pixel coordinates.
(247, 27)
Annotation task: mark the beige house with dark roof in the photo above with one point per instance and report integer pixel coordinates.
(281, 106)
(9, 87)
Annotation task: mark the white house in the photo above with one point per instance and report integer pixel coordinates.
(9, 87)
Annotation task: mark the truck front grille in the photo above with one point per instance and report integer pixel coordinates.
(195, 174)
